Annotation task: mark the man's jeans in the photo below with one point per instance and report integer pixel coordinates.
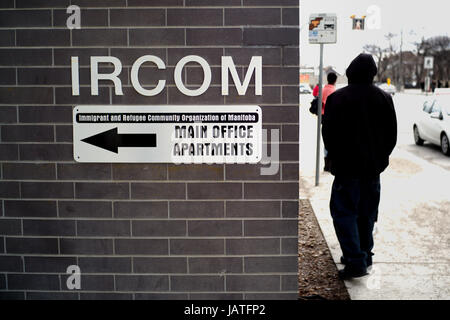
(354, 208)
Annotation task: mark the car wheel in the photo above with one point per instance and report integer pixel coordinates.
(417, 139)
(445, 145)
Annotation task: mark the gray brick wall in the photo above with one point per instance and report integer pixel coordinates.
(143, 231)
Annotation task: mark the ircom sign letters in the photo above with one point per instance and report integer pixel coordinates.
(228, 67)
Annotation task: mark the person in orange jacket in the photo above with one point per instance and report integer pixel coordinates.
(328, 89)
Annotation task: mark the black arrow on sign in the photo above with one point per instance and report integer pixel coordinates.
(111, 140)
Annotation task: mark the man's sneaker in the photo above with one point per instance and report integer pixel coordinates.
(347, 274)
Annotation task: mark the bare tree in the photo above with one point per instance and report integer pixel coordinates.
(389, 60)
(422, 50)
(391, 52)
(391, 49)
(378, 53)
(439, 48)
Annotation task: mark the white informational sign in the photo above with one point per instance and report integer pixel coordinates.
(167, 134)
(428, 63)
(322, 28)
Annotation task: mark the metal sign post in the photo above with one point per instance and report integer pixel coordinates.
(428, 65)
(322, 30)
(319, 115)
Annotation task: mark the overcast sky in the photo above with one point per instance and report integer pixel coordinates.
(417, 18)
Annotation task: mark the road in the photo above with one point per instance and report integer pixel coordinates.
(412, 239)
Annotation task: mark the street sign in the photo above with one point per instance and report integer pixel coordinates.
(428, 62)
(358, 23)
(322, 28)
(167, 134)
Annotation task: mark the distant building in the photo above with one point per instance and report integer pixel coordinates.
(310, 75)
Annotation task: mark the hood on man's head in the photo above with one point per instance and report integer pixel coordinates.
(362, 69)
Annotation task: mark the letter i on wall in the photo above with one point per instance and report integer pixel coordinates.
(74, 65)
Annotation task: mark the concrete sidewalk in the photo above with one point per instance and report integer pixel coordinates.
(412, 237)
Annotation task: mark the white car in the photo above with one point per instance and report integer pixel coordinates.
(305, 88)
(389, 88)
(433, 124)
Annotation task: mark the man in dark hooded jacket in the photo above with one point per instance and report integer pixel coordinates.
(359, 131)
